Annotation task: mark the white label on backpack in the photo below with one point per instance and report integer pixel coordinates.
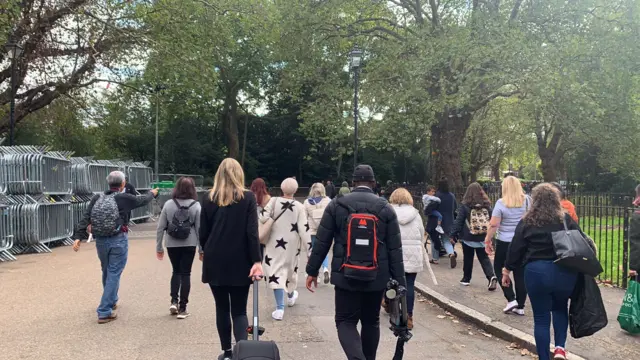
(362, 242)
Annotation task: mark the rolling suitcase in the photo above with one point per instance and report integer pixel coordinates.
(256, 349)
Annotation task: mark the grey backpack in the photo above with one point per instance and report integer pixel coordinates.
(105, 216)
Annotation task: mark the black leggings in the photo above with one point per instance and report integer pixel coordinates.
(502, 248)
(181, 261)
(231, 302)
(351, 308)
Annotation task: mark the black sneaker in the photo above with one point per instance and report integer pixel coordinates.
(224, 357)
(465, 282)
(493, 283)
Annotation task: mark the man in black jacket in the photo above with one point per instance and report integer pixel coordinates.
(330, 189)
(357, 300)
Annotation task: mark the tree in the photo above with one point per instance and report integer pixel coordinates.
(67, 47)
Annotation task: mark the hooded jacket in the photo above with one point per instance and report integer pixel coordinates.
(412, 235)
(332, 230)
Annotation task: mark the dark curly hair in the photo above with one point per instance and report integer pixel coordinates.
(475, 195)
(545, 206)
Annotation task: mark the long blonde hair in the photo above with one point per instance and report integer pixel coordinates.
(512, 194)
(228, 184)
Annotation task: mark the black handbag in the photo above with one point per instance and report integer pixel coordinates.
(587, 314)
(574, 251)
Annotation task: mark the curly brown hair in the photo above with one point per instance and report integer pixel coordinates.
(476, 196)
(545, 206)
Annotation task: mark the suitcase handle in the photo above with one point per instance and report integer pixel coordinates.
(256, 310)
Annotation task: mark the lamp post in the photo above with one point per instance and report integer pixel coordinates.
(14, 50)
(356, 61)
(157, 90)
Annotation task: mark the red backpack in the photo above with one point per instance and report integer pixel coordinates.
(361, 260)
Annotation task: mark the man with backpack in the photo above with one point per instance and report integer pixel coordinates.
(109, 214)
(367, 253)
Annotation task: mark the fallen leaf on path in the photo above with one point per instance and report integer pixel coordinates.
(470, 332)
(513, 346)
(441, 316)
(448, 313)
(525, 352)
(487, 335)
(463, 345)
(456, 321)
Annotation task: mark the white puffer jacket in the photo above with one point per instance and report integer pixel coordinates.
(412, 234)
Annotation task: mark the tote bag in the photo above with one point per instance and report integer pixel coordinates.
(629, 316)
(264, 228)
(574, 251)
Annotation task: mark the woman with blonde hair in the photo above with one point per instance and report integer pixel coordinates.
(413, 239)
(506, 215)
(315, 206)
(290, 233)
(231, 260)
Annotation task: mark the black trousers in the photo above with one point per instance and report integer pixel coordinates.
(353, 307)
(231, 303)
(181, 261)
(502, 248)
(435, 239)
(485, 262)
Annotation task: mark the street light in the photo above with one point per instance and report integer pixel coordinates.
(157, 90)
(15, 50)
(356, 61)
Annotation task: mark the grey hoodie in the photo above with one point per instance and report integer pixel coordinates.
(168, 210)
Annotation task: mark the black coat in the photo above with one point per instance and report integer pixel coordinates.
(229, 239)
(333, 228)
(330, 190)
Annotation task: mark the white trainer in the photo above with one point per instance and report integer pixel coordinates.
(277, 315)
(510, 306)
(292, 300)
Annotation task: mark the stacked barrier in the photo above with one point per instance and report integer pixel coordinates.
(43, 194)
(37, 185)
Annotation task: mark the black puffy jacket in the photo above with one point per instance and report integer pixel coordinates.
(333, 228)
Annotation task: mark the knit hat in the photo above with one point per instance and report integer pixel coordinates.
(363, 173)
(345, 184)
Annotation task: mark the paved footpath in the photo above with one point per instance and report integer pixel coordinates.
(49, 306)
(610, 343)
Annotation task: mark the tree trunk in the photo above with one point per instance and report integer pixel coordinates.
(449, 135)
(231, 126)
(495, 170)
(338, 169)
(548, 165)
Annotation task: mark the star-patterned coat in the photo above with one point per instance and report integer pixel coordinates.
(289, 238)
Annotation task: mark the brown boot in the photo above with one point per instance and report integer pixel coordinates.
(108, 319)
(410, 323)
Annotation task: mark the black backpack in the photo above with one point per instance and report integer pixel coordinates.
(361, 259)
(180, 226)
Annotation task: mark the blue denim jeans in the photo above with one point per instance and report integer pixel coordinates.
(279, 294)
(112, 252)
(549, 286)
(325, 263)
(435, 253)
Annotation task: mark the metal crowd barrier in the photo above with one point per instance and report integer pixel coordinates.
(79, 204)
(6, 234)
(31, 170)
(38, 221)
(139, 175)
(142, 213)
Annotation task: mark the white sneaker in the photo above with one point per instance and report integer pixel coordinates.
(277, 315)
(292, 300)
(439, 229)
(518, 311)
(510, 306)
(326, 276)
